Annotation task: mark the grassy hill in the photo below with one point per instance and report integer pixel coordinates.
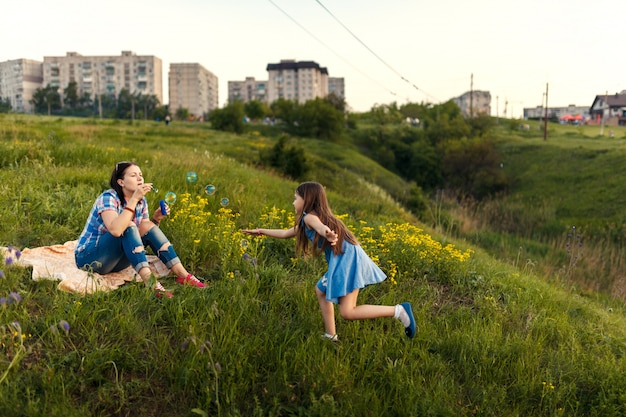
(493, 339)
(563, 216)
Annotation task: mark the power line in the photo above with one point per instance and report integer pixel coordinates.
(329, 48)
(370, 49)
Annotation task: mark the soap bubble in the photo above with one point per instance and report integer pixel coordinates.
(244, 243)
(224, 202)
(192, 176)
(170, 197)
(209, 189)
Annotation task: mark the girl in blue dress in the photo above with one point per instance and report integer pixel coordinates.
(349, 267)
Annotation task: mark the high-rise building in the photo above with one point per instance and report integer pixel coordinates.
(247, 90)
(300, 81)
(96, 75)
(19, 79)
(336, 86)
(192, 87)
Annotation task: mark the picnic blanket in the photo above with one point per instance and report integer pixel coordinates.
(57, 262)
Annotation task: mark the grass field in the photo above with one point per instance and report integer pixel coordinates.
(493, 338)
(563, 216)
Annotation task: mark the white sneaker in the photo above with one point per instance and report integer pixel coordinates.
(332, 338)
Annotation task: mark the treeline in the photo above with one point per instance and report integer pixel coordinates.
(322, 118)
(125, 105)
(435, 146)
(432, 146)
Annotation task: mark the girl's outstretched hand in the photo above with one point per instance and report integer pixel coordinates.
(254, 232)
(331, 236)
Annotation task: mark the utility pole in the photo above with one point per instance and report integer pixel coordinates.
(545, 120)
(472, 96)
(543, 96)
(497, 111)
(98, 93)
(606, 102)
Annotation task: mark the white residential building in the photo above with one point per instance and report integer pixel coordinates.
(474, 103)
(105, 74)
(247, 90)
(300, 81)
(192, 87)
(19, 79)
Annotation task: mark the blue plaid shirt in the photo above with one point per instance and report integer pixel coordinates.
(94, 228)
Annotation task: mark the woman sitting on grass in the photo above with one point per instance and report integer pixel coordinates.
(349, 267)
(118, 229)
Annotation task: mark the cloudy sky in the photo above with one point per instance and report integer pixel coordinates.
(391, 50)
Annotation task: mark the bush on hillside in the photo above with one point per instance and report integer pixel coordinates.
(318, 119)
(228, 118)
(289, 160)
(472, 167)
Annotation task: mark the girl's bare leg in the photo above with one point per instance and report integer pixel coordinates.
(350, 311)
(328, 312)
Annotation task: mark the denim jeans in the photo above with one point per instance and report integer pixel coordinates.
(112, 254)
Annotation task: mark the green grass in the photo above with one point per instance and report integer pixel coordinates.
(493, 339)
(572, 181)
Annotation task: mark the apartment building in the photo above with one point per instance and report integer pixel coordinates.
(192, 87)
(95, 75)
(336, 86)
(300, 81)
(474, 103)
(247, 90)
(19, 79)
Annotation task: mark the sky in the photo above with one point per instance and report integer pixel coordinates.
(387, 51)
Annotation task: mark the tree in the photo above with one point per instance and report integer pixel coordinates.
(385, 114)
(472, 167)
(108, 103)
(255, 109)
(229, 118)
(481, 124)
(125, 103)
(336, 101)
(318, 119)
(85, 101)
(160, 112)
(284, 110)
(70, 94)
(148, 103)
(46, 100)
(181, 114)
(5, 105)
(290, 160)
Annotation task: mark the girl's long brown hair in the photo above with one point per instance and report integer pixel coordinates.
(315, 202)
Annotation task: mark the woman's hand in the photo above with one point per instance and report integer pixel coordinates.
(142, 190)
(157, 216)
(253, 232)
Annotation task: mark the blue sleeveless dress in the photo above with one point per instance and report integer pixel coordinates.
(346, 272)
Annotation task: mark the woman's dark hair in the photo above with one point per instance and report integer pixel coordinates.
(118, 174)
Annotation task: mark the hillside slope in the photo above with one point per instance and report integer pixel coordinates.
(492, 340)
